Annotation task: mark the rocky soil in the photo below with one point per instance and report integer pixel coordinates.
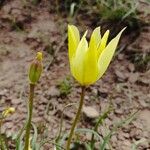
(27, 29)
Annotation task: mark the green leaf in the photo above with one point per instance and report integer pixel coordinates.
(88, 146)
(35, 135)
(114, 129)
(135, 145)
(80, 130)
(84, 130)
(50, 141)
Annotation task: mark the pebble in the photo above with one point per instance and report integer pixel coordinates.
(53, 91)
(90, 112)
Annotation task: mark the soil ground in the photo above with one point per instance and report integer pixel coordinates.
(25, 30)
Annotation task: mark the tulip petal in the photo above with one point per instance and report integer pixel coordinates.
(103, 42)
(78, 63)
(91, 67)
(91, 70)
(73, 40)
(95, 38)
(107, 54)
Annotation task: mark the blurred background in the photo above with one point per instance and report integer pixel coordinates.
(28, 26)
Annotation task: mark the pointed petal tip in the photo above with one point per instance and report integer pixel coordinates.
(69, 27)
(107, 33)
(98, 28)
(119, 34)
(123, 29)
(85, 33)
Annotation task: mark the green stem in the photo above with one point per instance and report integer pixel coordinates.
(30, 108)
(1, 139)
(76, 118)
(3, 145)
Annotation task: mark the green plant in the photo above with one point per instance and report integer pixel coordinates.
(105, 10)
(88, 63)
(137, 143)
(116, 126)
(16, 25)
(34, 75)
(117, 10)
(65, 86)
(103, 141)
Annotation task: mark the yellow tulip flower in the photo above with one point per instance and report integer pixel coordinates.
(89, 62)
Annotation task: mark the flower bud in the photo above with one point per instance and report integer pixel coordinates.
(8, 111)
(36, 68)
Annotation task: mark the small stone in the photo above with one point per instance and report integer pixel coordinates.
(131, 67)
(120, 136)
(41, 108)
(95, 91)
(37, 119)
(3, 92)
(143, 142)
(7, 40)
(8, 125)
(120, 75)
(53, 91)
(144, 117)
(90, 112)
(42, 100)
(120, 56)
(137, 124)
(16, 101)
(114, 139)
(146, 134)
(136, 133)
(133, 77)
(143, 103)
(126, 135)
(86, 97)
(108, 122)
(127, 143)
(118, 111)
(118, 100)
